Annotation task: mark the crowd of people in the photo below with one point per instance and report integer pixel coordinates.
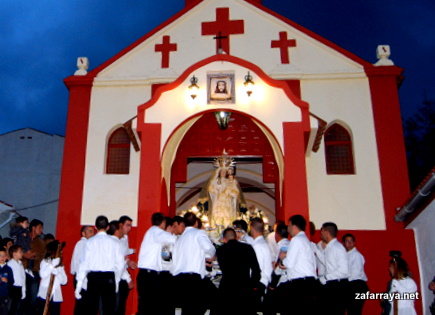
(175, 263)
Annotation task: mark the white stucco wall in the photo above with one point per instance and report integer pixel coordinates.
(425, 242)
(30, 168)
(110, 194)
(351, 201)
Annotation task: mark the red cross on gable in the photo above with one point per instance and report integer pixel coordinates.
(165, 48)
(223, 28)
(283, 44)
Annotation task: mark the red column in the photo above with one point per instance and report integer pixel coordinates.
(389, 138)
(73, 170)
(295, 191)
(149, 176)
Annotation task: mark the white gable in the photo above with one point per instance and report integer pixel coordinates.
(309, 58)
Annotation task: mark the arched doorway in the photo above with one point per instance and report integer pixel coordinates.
(243, 140)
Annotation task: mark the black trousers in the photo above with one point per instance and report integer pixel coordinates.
(121, 297)
(101, 285)
(192, 293)
(354, 306)
(15, 294)
(154, 293)
(335, 296)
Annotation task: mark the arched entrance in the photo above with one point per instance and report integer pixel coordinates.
(243, 140)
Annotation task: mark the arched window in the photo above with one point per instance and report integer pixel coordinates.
(338, 151)
(118, 152)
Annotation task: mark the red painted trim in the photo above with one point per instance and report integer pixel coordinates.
(315, 36)
(154, 87)
(252, 67)
(295, 87)
(73, 169)
(389, 139)
(123, 52)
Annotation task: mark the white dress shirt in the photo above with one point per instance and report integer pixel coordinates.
(300, 260)
(19, 275)
(264, 259)
(247, 239)
(124, 241)
(334, 260)
(125, 275)
(356, 265)
(190, 252)
(282, 245)
(47, 268)
(274, 251)
(77, 254)
(101, 253)
(150, 254)
(319, 263)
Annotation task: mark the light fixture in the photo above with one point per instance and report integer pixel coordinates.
(193, 87)
(222, 119)
(249, 84)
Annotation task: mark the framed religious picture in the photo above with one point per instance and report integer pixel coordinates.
(220, 88)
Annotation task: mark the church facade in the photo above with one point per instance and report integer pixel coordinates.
(318, 133)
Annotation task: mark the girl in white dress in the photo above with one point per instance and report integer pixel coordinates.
(51, 266)
(403, 284)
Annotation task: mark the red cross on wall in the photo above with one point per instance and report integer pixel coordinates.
(223, 28)
(165, 48)
(283, 44)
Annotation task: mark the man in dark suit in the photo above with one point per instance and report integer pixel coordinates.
(241, 275)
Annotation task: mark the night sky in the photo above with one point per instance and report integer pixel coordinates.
(41, 40)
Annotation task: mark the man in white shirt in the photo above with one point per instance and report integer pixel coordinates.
(300, 264)
(191, 251)
(125, 284)
(102, 264)
(263, 256)
(151, 291)
(126, 224)
(241, 228)
(357, 276)
(87, 231)
(271, 241)
(336, 267)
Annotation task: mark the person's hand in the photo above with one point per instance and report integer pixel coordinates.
(4, 279)
(131, 285)
(131, 264)
(77, 294)
(282, 255)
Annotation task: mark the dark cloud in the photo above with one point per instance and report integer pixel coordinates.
(40, 41)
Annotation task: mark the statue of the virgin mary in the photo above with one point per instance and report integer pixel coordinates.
(223, 193)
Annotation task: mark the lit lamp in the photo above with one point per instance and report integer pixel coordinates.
(193, 87)
(222, 119)
(249, 84)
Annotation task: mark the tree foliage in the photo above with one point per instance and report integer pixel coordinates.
(419, 132)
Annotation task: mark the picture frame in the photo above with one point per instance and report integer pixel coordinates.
(220, 88)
